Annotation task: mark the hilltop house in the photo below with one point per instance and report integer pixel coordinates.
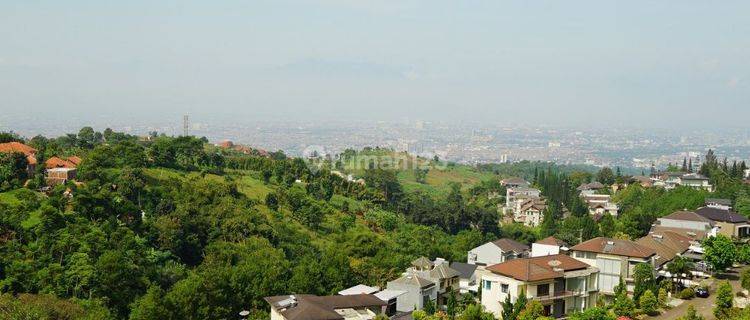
(590, 188)
(670, 180)
(29, 152)
(560, 283)
(531, 212)
(599, 204)
(497, 251)
(615, 259)
(311, 307)
(514, 182)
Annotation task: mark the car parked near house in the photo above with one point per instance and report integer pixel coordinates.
(701, 292)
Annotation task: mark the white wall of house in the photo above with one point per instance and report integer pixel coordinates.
(684, 224)
(541, 250)
(492, 292)
(485, 255)
(414, 296)
(611, 269)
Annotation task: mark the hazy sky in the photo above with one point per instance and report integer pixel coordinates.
(671, 63)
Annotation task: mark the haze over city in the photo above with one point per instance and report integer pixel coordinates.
(666, 64)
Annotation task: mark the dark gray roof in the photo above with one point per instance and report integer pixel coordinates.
(311, 307)
(466, 270)
(716, 214)
(509, 245)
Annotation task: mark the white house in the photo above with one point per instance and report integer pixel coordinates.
(497, 251)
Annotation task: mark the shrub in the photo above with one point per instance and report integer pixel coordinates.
(745, 279)
(648, 303)
(687, 293)
(662, 297)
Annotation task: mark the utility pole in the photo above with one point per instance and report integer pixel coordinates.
(185, 125)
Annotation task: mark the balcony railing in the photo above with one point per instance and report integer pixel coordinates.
(558, 295)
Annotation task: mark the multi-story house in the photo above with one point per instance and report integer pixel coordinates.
(696, 181)
(563, 285)
(615, 259)
(600, 204)
(531, 212)
(514, 197)
(417, 292)
(497, 251)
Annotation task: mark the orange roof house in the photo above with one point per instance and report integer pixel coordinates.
(56, 162)
(29, 152)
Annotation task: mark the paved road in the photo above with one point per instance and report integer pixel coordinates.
(702, 306)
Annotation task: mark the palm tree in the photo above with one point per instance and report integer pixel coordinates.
(679, 266)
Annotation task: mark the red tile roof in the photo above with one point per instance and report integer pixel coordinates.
(552, 241)
(618, 247)
(56, 162)
(538, 268)
(14, 146)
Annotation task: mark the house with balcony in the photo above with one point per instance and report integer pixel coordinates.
(615, 259)
(497, 251)
(562, 284)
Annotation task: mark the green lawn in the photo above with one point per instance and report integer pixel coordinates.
(438, 180)
(252, 188)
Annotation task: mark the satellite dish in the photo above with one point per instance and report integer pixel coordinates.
(554, 263)
(244, 313)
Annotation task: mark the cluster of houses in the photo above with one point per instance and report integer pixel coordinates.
(524, 204)
(58, 170)
(563, 279)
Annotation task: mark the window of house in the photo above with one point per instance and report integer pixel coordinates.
(542, 290)
(504, 288)
(487, 285)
